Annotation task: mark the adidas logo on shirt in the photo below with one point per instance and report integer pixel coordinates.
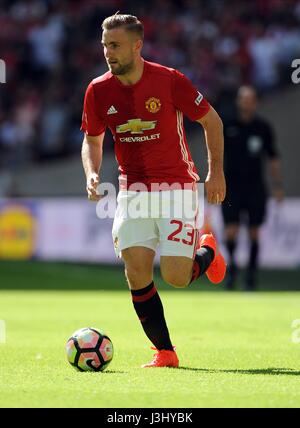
(112, 110)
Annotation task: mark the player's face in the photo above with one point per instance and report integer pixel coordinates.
(120, 49)
(247, 101)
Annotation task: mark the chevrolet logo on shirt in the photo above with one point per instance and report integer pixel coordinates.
(136, 126)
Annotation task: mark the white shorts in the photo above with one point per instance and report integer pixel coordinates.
(167, 218)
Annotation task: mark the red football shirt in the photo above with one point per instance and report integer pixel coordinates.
(146, 120)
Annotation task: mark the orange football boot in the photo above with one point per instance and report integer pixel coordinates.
(163, 358)
(217, 269)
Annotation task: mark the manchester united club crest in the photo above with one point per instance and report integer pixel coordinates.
(153, 105)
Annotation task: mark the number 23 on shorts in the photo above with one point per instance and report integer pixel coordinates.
(189, 230)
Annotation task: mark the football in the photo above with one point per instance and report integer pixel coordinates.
(89, 350)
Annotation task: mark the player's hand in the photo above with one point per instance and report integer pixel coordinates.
(215, 186)
(92, 184)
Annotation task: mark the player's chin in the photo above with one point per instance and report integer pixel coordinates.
(116, 71)
(112, 66)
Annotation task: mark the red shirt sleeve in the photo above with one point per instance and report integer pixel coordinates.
(187, 98)
(92, 123)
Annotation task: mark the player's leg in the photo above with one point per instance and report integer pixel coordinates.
(176, 270)
(183, 256)
(184, 260)
(135, 240)
(147, 303)
(138, 262)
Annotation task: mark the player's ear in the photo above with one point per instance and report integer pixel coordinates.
(138, 45)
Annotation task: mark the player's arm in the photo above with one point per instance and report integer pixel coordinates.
(192, 104)
(91, 154)
(93, 127)
(215, 181)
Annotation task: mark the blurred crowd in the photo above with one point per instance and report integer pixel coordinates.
(52, 50)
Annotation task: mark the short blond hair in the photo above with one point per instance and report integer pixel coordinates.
(129, 22)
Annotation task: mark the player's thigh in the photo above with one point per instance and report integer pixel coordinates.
(138, 262)
(178, 231)
(178, 237)
(176, 270)
(137, 232)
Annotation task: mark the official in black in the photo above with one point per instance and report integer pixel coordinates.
(250, 152)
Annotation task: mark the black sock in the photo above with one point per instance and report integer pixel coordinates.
(149, 309)
(202, 261)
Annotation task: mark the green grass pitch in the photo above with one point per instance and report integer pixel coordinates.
(235, 349)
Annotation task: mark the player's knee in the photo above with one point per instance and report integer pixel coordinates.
(133, 273)
(177, 281)
(136, 277)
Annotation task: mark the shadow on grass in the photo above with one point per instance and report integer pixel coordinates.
(102, 372)
(274, 371)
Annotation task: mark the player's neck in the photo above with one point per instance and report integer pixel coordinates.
(135, 75)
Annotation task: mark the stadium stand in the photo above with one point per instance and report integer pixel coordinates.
(52, 51)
